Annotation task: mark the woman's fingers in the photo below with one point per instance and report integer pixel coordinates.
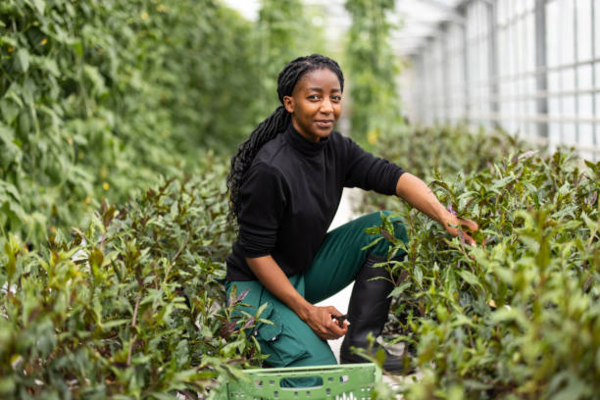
(472, 225)
(333, 311)
(456, 230)
(333, 329)
(326, 327)
(469, 240)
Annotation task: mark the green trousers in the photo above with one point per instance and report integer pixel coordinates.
(290, 342)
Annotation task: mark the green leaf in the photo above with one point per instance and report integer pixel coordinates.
(418, 275)
(373, 243)
(8, 188)
(508, 313)
(96, 78)
(111, 324)
(78, 47)
(51, 66)
(398, 290)
(29, 90)
(11, 248)
(10, 111)
(22, 57)
(592, 166)
(260, 310)
(40, 5)
(591, 225)
(470, 278)
(461, 319)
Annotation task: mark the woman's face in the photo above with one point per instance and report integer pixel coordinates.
(315, 104)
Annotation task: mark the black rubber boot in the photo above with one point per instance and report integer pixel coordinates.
(368, 312)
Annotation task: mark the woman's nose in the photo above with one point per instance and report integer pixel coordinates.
(326, 106)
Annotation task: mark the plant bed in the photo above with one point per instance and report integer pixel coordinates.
(518, 315)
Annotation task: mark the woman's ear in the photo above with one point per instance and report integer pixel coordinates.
(288, 103)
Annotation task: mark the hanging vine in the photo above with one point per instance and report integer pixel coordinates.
(372, 70)
(285, 32)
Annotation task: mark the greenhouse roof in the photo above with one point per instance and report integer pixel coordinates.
(418, 20)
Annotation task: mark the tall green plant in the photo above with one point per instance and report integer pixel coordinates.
(209, 75)
(373, 69)
(285, 31)
(98, 98)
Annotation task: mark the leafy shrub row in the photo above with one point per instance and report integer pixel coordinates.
(517, 316)
(131, 307)
(445, 149)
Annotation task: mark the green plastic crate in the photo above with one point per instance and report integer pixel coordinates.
(351, 381)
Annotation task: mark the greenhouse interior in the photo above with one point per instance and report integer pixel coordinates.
(284, 199)
(528, 66)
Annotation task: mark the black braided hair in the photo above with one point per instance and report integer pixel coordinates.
(276, 123)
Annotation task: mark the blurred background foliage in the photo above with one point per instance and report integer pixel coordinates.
(374, 105)
(284, 32)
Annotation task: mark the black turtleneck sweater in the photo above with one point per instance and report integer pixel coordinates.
(291, 193)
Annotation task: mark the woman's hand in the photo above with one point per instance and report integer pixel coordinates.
(318, 318)
(321, 322)
(453, 223)
(416, 193)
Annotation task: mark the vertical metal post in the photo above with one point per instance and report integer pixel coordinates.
(465, 54)
(494, 92)
(436, 61)
(540, 64)
(576, 69)
(420, 92)
(594, 106)
(413, 89)
(561, 73)
(445, 73)
(429, 106)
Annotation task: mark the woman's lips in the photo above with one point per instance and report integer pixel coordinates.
(324, 124)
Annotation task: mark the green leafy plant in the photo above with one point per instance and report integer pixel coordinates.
(517, 316)
(131, 307)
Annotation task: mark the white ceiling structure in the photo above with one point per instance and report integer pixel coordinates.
(418, 20)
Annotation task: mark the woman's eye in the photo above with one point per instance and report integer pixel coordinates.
(313, 97)
(337, 98)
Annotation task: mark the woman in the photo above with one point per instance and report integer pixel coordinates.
(285, 185)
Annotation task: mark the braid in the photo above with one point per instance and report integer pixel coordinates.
(275, 123)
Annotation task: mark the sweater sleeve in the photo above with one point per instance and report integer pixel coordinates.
(368, 172)
(262, 200)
